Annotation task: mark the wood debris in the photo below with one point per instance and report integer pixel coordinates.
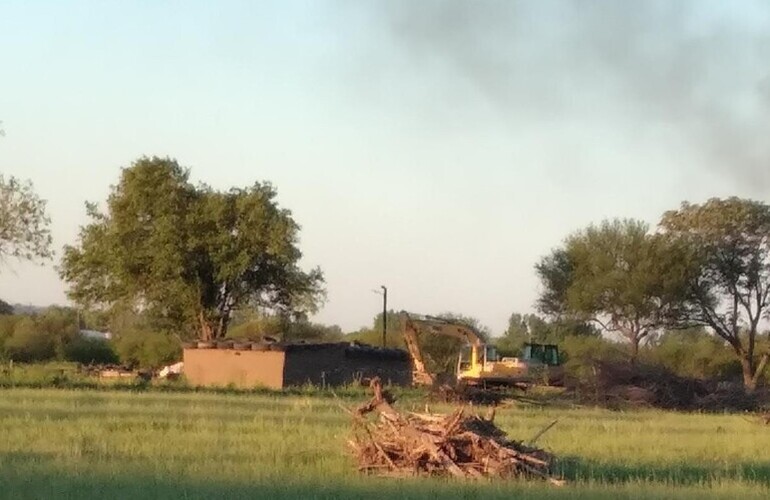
(619, 384)
(467, 394)
(457, 444)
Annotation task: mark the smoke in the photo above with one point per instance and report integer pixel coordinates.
(694, 72)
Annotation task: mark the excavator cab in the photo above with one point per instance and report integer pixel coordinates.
(472, 356)
(490, 354)
(466, 361)
(547, 354)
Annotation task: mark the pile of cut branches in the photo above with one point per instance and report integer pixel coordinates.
(457, 444)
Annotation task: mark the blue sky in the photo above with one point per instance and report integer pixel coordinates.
(439, 148)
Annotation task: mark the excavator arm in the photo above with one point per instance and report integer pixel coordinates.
(420, 374)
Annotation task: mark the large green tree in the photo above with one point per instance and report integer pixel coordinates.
(24, 232)
(729, 248)
(616, 274)
(189, 256)
(6, 309)
(514, 337)
(523, 328)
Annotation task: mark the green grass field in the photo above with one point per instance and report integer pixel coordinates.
(104, 444)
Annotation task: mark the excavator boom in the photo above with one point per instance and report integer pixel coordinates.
(420, 374)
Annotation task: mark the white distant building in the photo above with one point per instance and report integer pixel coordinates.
(93, 334)
(172, 371)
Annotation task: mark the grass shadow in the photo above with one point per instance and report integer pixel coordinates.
(682, 473)
(44, 475)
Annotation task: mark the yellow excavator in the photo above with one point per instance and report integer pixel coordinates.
(478, 362)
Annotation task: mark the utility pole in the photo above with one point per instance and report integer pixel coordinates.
(384, 314)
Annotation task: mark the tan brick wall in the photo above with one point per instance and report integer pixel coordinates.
(318, 364)
(243, 369)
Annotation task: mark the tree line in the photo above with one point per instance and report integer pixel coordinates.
(705, 266)
(60, 333)
(164, 258)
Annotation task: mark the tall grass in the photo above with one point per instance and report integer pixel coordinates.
(89, 444)
(68, 375)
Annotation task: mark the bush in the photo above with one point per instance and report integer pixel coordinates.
(696, 354)
(374, 337)
(271, 326)
(29, 343)
(90, 351)
(255, 330)
(59, 324)
(582, 353)
(146, 349)
(305, 330)
(7, 325)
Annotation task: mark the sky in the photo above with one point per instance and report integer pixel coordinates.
(437, 148)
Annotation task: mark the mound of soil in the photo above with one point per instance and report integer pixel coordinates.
(467, 395)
